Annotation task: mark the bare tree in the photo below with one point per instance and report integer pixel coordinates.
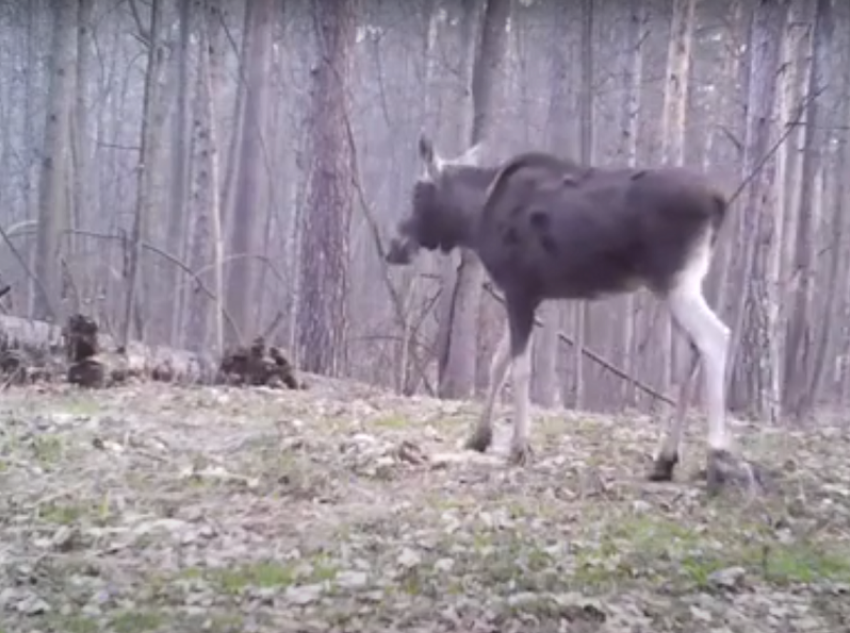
(759, 360)
(53, 204)
(798, 387)
(632, 81)
(205, 228)
(180, 159)
(151, 133)
(322, 309)
(582, 309)
(673, 132)
(560, 116)
(458, 379)
(249, 169)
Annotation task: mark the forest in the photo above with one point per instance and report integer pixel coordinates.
(195, 177)
(196, 174)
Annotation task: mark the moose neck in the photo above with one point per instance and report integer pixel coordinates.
(473, 183)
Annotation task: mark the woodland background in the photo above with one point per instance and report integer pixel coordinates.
(195, 173)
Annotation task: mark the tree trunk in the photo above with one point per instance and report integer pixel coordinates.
(458, 380)
(632, 82)
(53, 204)
(322, 310)
(204, 192)
(83, 193)
(755, 310)
(250, 180)
(798, 397)
(448, 263)
(673, 137)
(545, 389)
(177, 224)
(151, 133)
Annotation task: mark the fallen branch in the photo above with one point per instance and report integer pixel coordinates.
(606, 364)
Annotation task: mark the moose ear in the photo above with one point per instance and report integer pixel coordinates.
(426, 149)
(433, 164)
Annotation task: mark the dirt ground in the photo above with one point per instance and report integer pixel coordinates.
(157, 508)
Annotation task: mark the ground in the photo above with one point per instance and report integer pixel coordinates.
(156, 508)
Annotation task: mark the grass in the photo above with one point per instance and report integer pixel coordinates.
(325, 536)
(137, 621)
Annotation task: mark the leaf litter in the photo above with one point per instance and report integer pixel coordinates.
(152, 508)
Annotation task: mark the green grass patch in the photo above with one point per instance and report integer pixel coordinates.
(664, 551)
(265, 574)
(97, 512)
(803, 562)
(74, 624)
(47, 449)
(136, 621)
(390, 422)
(62, 513)
(81, 405)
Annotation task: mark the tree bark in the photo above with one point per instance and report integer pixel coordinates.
(632, 82)
(177, 223)
(458, 379)
(53, 205)
(798, 369)
(545, 388)
(755, 310)
(250, 176)
(322, 310)
(204, 194)
(151, 133)
(673, 121)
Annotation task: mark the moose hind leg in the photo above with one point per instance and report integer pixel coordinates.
(711, 336)
(521, 323)
(482, 435)
(686, 365)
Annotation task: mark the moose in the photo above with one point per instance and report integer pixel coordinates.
(548, 228)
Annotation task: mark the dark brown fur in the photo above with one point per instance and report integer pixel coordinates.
(546, 228)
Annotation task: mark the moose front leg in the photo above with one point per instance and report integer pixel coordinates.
(482, 435)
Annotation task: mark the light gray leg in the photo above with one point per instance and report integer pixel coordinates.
(520, 383)
(482, 436)
(685, 369)
(711, 337)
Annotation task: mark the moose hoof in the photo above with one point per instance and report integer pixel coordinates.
(726, 469)
(520, 454)
(479, 440)
(662, 467)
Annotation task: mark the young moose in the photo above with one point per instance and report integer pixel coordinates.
(546, 228)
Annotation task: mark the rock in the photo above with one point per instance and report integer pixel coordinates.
(352, 579)
(729, 578)
(8, 597)
(32, 605)
(302, 595)
(409, 558)
(444, 564)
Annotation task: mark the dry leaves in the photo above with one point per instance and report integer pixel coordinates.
(342, 508)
